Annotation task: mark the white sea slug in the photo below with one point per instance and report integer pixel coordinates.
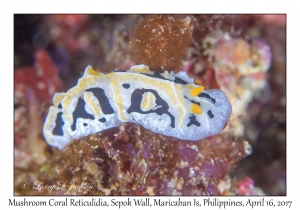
(167, 103)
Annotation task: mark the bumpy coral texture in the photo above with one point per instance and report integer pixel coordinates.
(134, 161)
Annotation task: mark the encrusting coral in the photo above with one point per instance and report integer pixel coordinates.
(131, 160)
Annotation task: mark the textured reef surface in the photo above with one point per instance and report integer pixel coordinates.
(243, 55)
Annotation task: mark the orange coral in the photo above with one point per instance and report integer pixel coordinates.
(160, 41)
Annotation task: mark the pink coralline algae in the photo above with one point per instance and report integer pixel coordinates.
(247, 58)
(42, 79)
(240, 71)
(33, 90)
(246, 186)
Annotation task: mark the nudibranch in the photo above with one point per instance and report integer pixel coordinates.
(167, 103)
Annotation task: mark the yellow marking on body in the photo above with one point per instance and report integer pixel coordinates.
(71, 98)
(196, 91)
(140, 69)
(49, 125)
(167, 87)
(57, 98)
(115, 82)
(172, 90)
(66, 102)
(93, 103)
(148, 101)
(166, 74)
(179, 90)
(75, 92)
(195, 109)
(83, 84)
(89, 70)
